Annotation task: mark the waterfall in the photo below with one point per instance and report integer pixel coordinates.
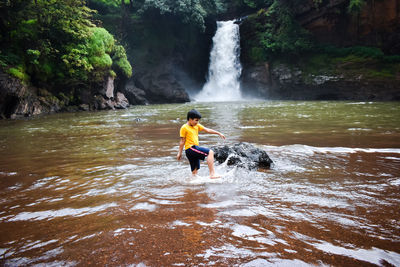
(223, 81)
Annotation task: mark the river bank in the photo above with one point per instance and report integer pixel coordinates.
(19, 100)
(277, 82)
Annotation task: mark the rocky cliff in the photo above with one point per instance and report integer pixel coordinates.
(157, 85)
(17, 99)
(377, 24)
(294, 82)
(20, 100)
(316, 76)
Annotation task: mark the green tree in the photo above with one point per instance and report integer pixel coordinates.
(277, 33)
(355, 6)
(189, 11)
(55, 42)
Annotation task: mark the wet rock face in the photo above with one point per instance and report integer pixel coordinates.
(292, 82)
(17, 100)
(160, 84)
(103, 96)
(243, 155)
(135, 95)
(376, 24)
(257, 79)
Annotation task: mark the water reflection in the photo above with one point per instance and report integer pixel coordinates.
(105, 188)
(225, 117)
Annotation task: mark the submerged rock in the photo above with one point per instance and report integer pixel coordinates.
(243, 155)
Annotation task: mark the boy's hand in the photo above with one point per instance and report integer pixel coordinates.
(222, 136)
(179, 156)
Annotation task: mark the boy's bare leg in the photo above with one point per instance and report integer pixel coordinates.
(194, 173)
(210, 163)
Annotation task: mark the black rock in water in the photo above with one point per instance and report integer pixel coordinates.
(243, 155)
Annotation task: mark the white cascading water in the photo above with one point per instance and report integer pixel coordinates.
(223, 82)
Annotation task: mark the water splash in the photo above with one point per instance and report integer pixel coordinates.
(223, 82)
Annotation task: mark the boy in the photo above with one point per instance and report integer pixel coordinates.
(189, 134)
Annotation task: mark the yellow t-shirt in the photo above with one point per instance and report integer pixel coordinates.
(191, 134)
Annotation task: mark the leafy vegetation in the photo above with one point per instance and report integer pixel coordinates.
(364, 52)
(278, 34)
(355, 6)
(19, 73)
(55, 42)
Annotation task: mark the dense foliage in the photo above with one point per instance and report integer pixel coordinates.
(55, 42)
(277, 33)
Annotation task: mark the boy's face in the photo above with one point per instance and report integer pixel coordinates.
(193, 122)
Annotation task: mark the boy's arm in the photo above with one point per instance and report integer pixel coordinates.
(211, 131)
(181, 145)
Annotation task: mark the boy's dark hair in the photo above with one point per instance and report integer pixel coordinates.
(193, 114)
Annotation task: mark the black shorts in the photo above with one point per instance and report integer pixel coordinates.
(195, 154)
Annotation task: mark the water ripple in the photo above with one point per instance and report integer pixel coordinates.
(51, 214)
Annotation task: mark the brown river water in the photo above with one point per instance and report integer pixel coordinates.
(105, 188)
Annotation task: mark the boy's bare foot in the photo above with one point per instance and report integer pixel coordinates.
(215, 176)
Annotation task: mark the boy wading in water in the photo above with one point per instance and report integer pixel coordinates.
(189, 134)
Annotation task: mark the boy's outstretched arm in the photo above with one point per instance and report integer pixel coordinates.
(211, 131)
(181, 144)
